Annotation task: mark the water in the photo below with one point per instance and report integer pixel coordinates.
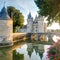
(34, 51)
(25, 51)
(6, 54)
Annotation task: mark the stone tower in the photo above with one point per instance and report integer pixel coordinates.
(29, 23)
(40, 24)
(35, 25)
(6, 27)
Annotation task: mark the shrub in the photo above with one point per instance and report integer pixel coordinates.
(54, 51)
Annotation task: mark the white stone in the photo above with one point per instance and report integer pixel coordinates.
(6, 30)
(36, 26)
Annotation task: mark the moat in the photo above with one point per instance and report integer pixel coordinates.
(26, 51)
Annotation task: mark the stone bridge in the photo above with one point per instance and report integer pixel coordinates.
(45, 34)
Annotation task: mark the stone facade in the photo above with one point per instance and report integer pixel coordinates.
(36, 26)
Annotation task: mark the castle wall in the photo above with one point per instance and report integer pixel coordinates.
(6, 31)
(40, 26)
(35, 28)
(29, 26)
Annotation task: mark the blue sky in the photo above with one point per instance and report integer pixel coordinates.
(25, 6)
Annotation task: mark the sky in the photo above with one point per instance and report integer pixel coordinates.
(25, 6)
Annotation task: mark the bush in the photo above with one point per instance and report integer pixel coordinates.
(54, 51)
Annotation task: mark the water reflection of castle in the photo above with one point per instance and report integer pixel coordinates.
(37, 47)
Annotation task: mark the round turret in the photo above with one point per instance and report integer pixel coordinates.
(6, 28)
(4, 14)
(29, 23)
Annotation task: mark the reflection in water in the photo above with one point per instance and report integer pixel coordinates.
(17, 56)
(5, 54)
(24, 51)
(33, 51)
(38, 48)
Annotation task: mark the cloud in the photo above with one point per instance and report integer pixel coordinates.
(27, 4)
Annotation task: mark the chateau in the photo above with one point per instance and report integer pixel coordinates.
(36, 25)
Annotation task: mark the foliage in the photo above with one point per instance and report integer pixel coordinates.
(50, 8)
(17, 56)
(54, 51)
(17, 17)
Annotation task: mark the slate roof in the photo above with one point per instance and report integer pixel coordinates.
(4, 14)
(29, 16)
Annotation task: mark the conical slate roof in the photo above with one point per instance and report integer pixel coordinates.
(29, 16)
(4, 14)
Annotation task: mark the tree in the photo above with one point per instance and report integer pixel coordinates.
(17, 56)
(17, 17)
(50, 8)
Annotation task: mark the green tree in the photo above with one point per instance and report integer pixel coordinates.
(50, 8)
(17, 56)
(17, 17)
